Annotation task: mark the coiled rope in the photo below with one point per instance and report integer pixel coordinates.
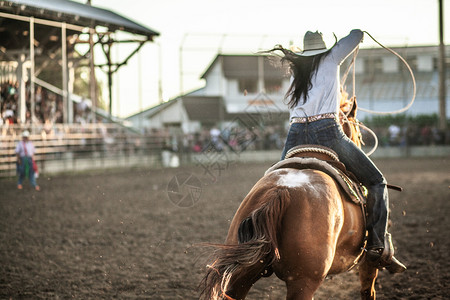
(352, 64)
(412, 77)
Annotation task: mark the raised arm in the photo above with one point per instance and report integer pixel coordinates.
(345, 46)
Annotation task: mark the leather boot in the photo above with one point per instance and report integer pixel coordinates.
(395, 266)
(384, 257)
(377, 216)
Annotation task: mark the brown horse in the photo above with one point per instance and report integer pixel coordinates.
(296, 224)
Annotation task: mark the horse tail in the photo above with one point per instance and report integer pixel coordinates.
(257, 249)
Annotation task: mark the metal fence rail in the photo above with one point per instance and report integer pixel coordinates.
(61, 148)
(63, 142)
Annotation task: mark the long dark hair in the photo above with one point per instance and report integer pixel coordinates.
(302, 69)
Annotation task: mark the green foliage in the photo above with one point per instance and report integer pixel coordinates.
(81, 86)
(402, 120)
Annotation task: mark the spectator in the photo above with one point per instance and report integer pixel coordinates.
(394, 134)
(215, 139)
(25, 161)
(426, 135)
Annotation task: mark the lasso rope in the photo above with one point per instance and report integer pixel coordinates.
(344, 78)
(375, 146)
(413, 80)
(352, 64)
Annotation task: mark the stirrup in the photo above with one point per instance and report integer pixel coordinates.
(384, 257)
(375, 258)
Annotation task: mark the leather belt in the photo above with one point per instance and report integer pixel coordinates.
(313, 118)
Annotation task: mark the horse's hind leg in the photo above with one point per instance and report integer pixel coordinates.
(302, 289)
(367, 276)
(238, 289)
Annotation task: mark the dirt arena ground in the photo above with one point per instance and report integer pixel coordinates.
(121, 235)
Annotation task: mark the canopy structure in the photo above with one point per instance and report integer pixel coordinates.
(32, 31)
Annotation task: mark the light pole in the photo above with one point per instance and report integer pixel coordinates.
(442, 71)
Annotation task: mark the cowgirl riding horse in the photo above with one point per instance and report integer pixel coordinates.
(314, 97)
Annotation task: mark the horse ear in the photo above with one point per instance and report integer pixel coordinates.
(352, 113)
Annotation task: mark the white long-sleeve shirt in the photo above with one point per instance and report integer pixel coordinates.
(324, 95)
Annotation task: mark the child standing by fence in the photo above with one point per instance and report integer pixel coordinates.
(25, 161)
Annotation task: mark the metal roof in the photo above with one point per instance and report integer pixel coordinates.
(204, 108)
(75, 13)
(246, 66)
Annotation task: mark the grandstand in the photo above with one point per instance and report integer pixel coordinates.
(39, 60)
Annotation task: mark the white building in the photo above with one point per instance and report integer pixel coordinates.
(238, 88)
(383, 82)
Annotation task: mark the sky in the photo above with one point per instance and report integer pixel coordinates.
(193, 32)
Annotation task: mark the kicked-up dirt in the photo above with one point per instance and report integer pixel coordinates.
(137, 234)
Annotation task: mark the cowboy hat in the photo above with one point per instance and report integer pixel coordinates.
(313, 44)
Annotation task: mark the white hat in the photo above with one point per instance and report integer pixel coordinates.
(26, 133)
(313, 44)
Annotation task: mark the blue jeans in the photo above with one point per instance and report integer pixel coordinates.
(26, 165)
(329, 133)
